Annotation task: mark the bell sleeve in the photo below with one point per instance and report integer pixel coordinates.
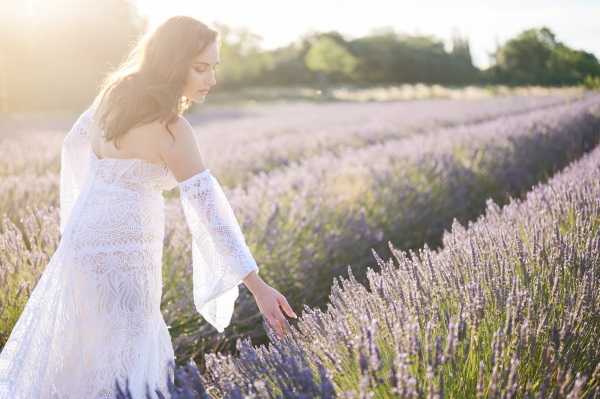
(74, 165)
(220, 257)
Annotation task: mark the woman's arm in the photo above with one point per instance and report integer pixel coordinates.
(221, 258)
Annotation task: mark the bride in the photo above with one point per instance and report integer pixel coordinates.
(94, 316)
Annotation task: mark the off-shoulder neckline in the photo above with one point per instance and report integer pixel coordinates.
(90, 114)
(98, 159)
(184, 182)
(205, 172)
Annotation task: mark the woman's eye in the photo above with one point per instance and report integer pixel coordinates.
(202, 70)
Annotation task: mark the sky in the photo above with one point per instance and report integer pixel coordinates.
(485, 23)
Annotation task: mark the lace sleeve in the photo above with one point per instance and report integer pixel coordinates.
(220, 257)
(74, 164)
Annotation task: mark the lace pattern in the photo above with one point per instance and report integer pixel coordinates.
(94, 315)
(74, 165)
(220, 256)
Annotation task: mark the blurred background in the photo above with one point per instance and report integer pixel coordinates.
(54, 53)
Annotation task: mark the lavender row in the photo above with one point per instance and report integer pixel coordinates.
(306, 223)
(268, 138)
(509, 307)
(243, 142)
(367, 183)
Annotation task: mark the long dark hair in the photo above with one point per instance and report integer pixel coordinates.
(148, 85)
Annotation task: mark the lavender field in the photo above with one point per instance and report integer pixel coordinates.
(241, 142)
(319, 190)
(509, 307)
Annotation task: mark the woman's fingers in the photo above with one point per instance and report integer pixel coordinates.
(279, 323)
(286, 307)
(275, 325)
(276, 318)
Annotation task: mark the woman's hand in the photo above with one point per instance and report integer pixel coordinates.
(270, 302)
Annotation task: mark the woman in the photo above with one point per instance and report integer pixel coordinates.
(94, 316)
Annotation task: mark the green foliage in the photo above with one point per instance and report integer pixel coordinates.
(243, 59)
(535, 56)
(592, 82)
(329, 59)
(388, 57)
(326, 55)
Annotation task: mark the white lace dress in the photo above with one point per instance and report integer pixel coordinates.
(94, 315)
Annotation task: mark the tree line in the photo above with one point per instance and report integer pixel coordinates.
(58, 62)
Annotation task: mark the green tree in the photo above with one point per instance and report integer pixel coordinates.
(243, 60)
(525, 58)
(379, 56)
(535, 56)
(328, 58)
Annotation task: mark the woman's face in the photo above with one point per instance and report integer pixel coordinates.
(201, 76)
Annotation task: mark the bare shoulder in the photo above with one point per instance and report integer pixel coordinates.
(179, 149)
(174, 134)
